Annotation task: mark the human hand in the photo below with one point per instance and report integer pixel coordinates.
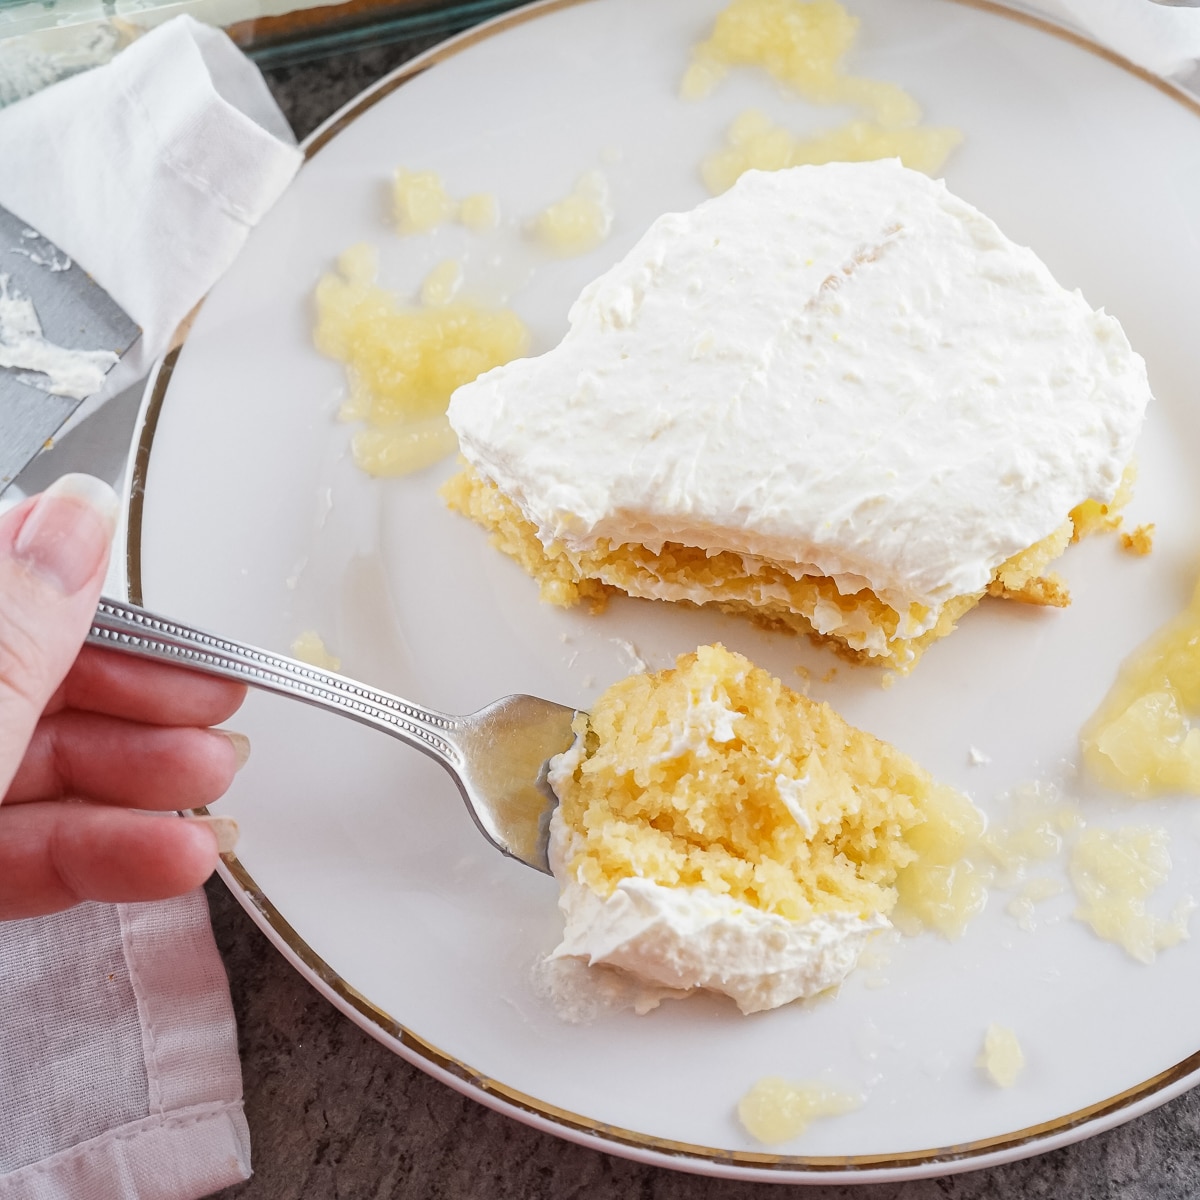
(94, 726)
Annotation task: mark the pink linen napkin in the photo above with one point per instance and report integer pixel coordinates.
(119, 1073)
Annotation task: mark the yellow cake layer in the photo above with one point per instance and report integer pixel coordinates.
(715, 775)
(770, 595)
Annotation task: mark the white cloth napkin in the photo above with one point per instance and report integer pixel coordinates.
(119, 1073)
(1161, 38)
(150, 171)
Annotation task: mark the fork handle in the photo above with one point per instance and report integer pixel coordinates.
(134, 630)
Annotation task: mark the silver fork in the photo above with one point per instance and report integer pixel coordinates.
(497, 755)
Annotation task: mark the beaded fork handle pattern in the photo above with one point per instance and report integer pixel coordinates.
(134, 630)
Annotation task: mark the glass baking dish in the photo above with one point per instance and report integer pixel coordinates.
(42, 41)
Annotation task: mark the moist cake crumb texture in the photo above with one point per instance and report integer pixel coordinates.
(711, 788)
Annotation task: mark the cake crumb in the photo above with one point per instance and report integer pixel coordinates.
(1140, 541)
(887, 680)
(1001, 1058)
(977, 758)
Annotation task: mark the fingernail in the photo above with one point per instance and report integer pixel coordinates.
(241, 745)
(66, 536)
(225, 830)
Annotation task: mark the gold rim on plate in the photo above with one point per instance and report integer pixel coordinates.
(386, 1029)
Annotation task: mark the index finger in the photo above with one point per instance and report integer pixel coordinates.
(138, 689)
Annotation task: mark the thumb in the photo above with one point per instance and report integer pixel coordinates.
(53, 556)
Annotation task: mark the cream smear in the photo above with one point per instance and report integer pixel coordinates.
(685, 938)
(844, 369)
(76, 374)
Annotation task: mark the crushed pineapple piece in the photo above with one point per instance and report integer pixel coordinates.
(479, 212)
(753, 142)
(715, 775)
(404, 447)
(403, 363)
(775, 1111)
(580, 221)
(1114, 872)
(310, 648)
(1022, 906)
(943, 888)
(1038, 817)
(1001, 1058)
(442, 284)
(1140, 739)
(420, 203)
(359, 264)
(801, 43)
(419, 200)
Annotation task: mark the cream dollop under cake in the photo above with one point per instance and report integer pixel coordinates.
(836, 398)
(717, 830)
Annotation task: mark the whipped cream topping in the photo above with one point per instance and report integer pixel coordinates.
(682, 938)
(843, 369)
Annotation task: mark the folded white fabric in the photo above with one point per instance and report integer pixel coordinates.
(119, 1073)
(1161, 38)
(150, 171)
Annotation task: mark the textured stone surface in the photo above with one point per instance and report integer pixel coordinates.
(335, 1116)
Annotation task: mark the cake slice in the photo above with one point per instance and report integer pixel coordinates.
(835, 398)
(717, 830)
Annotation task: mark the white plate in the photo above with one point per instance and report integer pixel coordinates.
(356, 856)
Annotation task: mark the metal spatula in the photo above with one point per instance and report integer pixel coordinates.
(60, 334)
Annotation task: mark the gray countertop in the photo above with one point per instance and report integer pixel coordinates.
(334, 1115)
